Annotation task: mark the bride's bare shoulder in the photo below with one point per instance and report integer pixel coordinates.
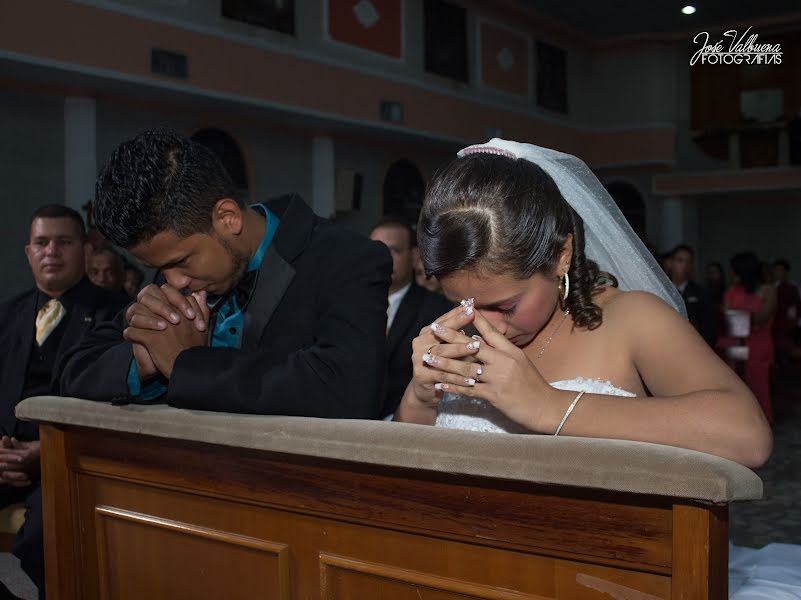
(633, 306)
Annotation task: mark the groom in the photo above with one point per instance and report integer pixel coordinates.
(265, 309)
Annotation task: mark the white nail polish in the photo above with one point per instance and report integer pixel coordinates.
(429, 359)
(468, 309)
(476, 337)
(469, 381)
(440, 386)
(474, 345)
(436, 328)
(479, 371)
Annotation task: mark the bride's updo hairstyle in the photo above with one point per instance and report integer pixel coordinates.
(495, 214)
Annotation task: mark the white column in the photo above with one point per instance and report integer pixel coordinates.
(323, 181)
(672, 223)
(80, 151)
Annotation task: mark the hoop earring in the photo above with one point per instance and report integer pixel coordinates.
(565, 286)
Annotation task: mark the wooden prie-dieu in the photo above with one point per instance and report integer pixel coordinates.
(151, 502)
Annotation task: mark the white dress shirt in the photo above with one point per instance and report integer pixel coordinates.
(394, 302)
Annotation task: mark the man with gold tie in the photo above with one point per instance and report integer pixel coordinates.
(36, 328)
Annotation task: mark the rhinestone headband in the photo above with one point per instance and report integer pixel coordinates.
(484, 149)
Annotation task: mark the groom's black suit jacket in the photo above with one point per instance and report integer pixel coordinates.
(313, 338)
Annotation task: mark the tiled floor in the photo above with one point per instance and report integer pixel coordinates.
(777, 517)
(17, 582)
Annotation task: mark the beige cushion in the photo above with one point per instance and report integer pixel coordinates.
(11, 518)
(615, 465)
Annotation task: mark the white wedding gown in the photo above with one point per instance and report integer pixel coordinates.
(771, 573)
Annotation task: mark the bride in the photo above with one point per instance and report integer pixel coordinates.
(578, 332)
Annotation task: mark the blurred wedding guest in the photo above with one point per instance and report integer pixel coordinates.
(37, 327)
(411, 308)
(751, 294)
(430, 283)
(94, 241)
(715, 282)
(105, 268)
(767, 273)
(788, 309)
(700, 306)
(134, 277)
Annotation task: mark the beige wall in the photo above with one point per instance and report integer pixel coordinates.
(296, 78)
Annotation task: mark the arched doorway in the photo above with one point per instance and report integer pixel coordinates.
(227, 150)
(630, 203)
(404, 190)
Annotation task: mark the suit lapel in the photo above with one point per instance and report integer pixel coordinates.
(274, 278)
(404, 318)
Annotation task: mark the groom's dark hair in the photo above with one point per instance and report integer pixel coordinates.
(499, 214)
(159, 181)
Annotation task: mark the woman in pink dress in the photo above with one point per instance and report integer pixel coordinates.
(750, 294)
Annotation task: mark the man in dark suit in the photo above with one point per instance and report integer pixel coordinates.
(701, 310)
(411, 308)
(266, 309)
(37, 327)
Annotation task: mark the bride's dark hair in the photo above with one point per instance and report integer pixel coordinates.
(506, 215)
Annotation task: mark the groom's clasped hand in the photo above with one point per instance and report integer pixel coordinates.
(161, 324)
(486, 366)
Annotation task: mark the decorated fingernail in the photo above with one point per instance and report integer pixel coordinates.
(474, 345)
(477, 337)
(441, 387)
(479, 372)
(468, 306)
(429, 359)
(469, 381)
(437, 328)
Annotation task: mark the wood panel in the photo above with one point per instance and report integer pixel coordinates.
(153, 518)
(348, 556)
(343, 578)
(701, 553)
(59, 516)
(634, 530)
(144, 556)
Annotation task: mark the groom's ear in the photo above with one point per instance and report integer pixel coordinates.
(566, 255)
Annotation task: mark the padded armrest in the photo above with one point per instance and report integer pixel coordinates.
(614, 465)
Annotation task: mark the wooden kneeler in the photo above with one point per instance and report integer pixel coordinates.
(154, 502)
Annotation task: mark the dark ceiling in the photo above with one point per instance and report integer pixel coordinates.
(611, 18)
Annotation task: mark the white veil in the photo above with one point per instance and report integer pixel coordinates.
(609, 239)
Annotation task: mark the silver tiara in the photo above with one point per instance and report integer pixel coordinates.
(484, 149)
